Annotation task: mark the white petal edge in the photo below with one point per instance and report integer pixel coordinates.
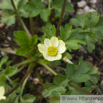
(2, 97)
(54, 41)
(42, 48)
(61, 47)
(2, 91)
(47, 42)
(48, 57)
(58, 56)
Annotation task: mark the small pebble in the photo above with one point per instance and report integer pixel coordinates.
(81, 4)
(80, 11)
(91, 10)
(93, 1)
(86, 9)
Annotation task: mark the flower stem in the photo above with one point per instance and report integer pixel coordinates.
(19, 19)
(61, 17)
(47, 67)
(31, 25)
(38, 75)
(22, 63)
(26, 75)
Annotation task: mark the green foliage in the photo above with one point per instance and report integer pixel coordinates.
(36, 7)
(57, 6)
(25, 43)
(10, 71)
(2, 80)
(90, 31)
(82, 73)
(2, 61)
(9, 17)
(27, 98)
(49, 30)
(56, 88)
(54, 100)
(66, 32)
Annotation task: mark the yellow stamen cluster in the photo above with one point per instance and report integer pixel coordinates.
(52, 50)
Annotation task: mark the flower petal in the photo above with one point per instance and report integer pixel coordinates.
(2, 97)
(54, 41)
(47, 43)
(61, 47)
(58, 56)
(2, 91)
(48, 57)
(42, 48)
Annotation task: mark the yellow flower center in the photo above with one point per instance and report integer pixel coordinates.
(52, 50)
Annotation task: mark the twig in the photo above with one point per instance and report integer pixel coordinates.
(19, 19)
(61, 16)
(79, 88)
(97, 88)
(28, 72)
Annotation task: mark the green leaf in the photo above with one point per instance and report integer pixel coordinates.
(22, 51)
(66, 31)
(79, 20)
(22, 38)
(70, 70)
(54, 100)
(80, 78)
(2, 80)
(6, 4)
(21, 5)
(49, 30)
(56, 63)
(45, 14)
(36, 7)
(53, 90)
(57, 5)
(68, 55)
(2, 61)
(90, 44)
(99, 26)
(8, 18)
(93, 70)
(10, 71)
(29, 98)
(60, 80)
(75, 22)
(53, 30)
(34, 40)
(74, 44)
(83, 67)
(92, 19)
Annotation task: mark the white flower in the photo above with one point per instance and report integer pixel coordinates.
(2, 91)
(52, 49)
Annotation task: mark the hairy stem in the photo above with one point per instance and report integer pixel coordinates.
(26, 75)
(61, 17)
(19, 19)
